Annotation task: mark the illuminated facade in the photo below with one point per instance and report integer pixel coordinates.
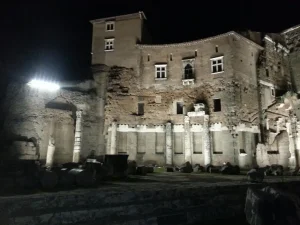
(227, 98)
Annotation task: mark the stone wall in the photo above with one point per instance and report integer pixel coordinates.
(292, 37)
(23, 150)
(126, 34)
(33, 115)
(150, 203)
(236, 86)
(148, 144)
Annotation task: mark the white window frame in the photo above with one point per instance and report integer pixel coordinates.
(216, 64)
(158, 70)
(110, 24)
(109, 44)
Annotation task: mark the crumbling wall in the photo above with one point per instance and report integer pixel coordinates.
(275, 67)
(30, 116)
(23, 150)
(244, 64)
(123, 96)
(236, 86)
(274, 153)
(292, 38)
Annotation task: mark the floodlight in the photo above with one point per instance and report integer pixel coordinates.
(43, 85)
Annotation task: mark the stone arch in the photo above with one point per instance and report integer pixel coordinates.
(60, 123)
(60, 103)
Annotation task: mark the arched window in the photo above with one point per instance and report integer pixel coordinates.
(188, 72)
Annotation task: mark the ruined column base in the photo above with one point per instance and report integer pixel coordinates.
(292, 163)
(76, 156)
(50, 156)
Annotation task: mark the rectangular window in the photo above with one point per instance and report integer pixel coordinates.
(218, 140)
(141, 141)
(160, 143)
(242, 151)
(179, 108)
(217, 65)
(161, 71)
(217, 105)
(273, 92)
(198, 143)
(122, 142)
(109, 44)
(141, 108)
(110, 26)
(267, 72)
(178, 142)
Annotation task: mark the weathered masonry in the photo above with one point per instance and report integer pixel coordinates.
(228, 98)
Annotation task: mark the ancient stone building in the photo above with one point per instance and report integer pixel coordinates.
(227, 98)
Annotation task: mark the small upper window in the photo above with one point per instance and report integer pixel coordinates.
(273, 92)
(179, 108)
(110, 26)
(217, 105)
(217, 65)
(109, 44)
(161, 71)
(140, 108)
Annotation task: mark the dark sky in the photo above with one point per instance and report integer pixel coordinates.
(53, 38)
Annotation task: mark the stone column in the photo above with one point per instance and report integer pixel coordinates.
(267, 124)
(187, 140)
(169, 147)
(113, 138)
(206, 141)
(77, 143)
(291, 129)
(50, 152)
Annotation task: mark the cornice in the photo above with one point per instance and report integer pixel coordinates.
(190, 43)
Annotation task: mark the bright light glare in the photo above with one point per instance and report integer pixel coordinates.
(44, 85)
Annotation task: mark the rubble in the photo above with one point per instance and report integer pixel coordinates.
(271, 206)
(141, 170)
(254, 175)
(48, 179)
(186, 168)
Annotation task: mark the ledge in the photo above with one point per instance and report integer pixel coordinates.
(190, 43)
(161, 79)
(218, 72)
(186, 82)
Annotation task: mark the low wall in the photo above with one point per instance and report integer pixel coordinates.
(163, 204)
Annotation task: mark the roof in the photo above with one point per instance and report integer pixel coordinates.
(201, 41)
(139, 14)
(291, 29)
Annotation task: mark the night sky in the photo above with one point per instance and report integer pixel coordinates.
(53, 38)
